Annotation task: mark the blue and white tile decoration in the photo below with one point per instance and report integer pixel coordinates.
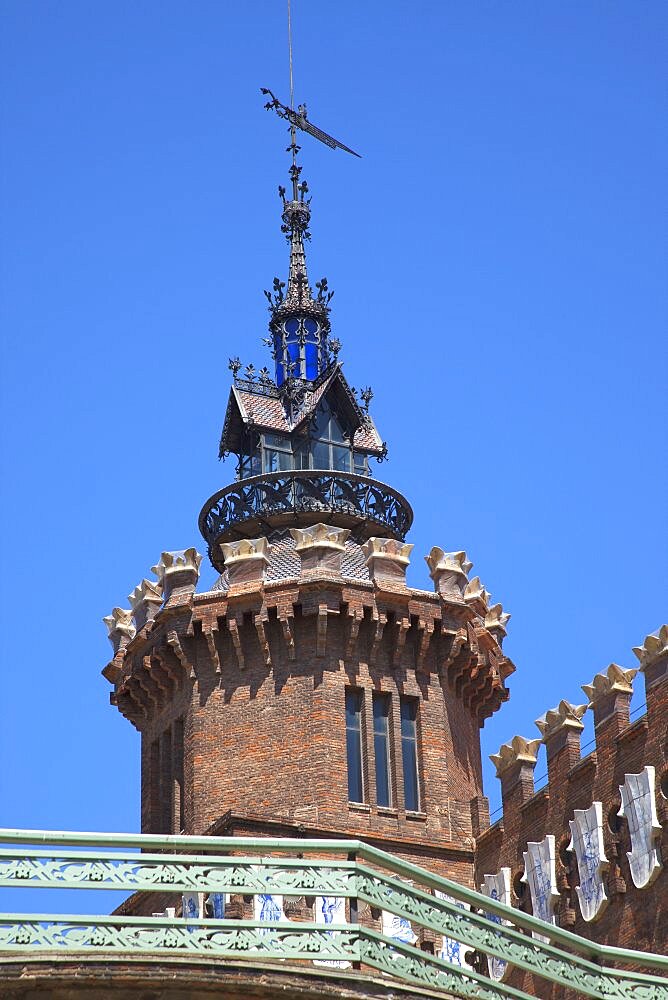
(639, 809)
(452, 951)
(497, 887)
(331, 910)
(540, 876)
(587, 842)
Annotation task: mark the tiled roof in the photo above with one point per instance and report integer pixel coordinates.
(268, 412)
(263, 411)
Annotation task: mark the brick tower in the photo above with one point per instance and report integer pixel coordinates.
(310, 691)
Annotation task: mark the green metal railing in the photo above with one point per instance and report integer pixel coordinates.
(301, 868)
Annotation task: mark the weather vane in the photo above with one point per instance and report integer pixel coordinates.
(298, 119)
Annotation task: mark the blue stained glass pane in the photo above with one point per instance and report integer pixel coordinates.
(291, 326)
(311, 328)
(280, 377)
(311, 352)
(293, 354)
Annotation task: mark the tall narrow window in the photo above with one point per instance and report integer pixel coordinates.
(381, 748)
(354, 745)
(409, 754)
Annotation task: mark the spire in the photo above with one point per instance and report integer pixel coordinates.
(299, 323)
(296, 217)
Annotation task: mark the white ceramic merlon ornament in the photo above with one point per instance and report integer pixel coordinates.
(564, 716)
(496, 620)
(497, 887)
(518, 751)
(587, 842)
(639, 809)
(476, 593)
(387, 559)
(145, 601)
(178, 572)
(451, 950)
(540, 876)
(120, 628)
(331, 910)
(655, 645)
(614, 680)
(245, 560)
(449, 571)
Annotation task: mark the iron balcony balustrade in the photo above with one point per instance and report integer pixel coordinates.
(427, 907)
(261, 504)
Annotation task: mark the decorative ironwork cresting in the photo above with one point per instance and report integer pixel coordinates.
(305, 868)
(257, 505)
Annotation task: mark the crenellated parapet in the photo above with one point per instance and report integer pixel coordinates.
(273, 593)
(600, 824)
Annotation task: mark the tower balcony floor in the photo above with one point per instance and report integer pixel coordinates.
(298, 498)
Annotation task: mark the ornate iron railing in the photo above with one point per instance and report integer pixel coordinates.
(348, 870)
(281, 498)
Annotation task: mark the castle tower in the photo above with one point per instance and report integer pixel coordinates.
(311, 690)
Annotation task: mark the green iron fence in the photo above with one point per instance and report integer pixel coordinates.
(348, 869)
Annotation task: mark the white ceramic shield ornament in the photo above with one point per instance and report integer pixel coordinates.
(497, 887)
(639, 808)
(587, 842)
(540, 875)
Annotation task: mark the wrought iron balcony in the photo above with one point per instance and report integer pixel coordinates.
(476, 944)
(256, 506)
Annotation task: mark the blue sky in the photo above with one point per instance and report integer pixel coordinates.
(498, 257)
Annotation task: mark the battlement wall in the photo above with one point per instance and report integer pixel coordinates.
(588, 851)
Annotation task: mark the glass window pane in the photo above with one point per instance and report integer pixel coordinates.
(291, 326)
(277, 441)
(321, 427)
(381, 747)
(354, 745)
(360, 464)
(284, 461)
(341, 458)
(409, 754)
(321, 455)
(335, 431)
(271, 460)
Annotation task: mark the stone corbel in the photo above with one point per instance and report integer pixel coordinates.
(321, 630)
(178, 573)
(246, 561)
(449, 571)
(320, 548)
(233, 628)
(355, 617)
(145, 601)
(427, 630)
(387, 560)
(166, 663)
(261, 629)
(404, 624)
(287, 621)
(174, 643)
(380, 621)
(120, 628)
(159, 677)
(210, 632)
